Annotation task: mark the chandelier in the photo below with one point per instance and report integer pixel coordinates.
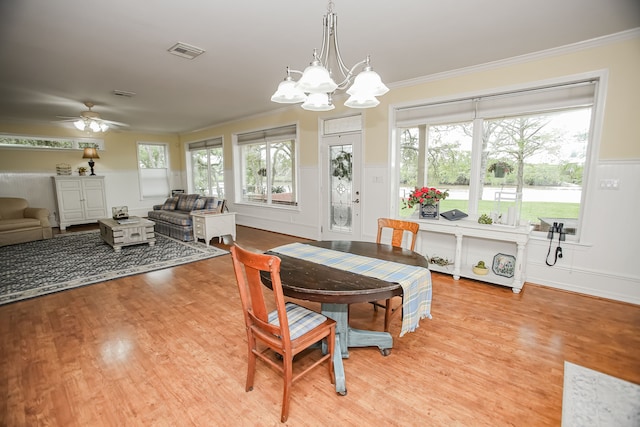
(316, 86)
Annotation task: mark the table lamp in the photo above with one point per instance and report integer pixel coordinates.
(90, 153)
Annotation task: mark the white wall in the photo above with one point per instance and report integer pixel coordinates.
(121, 190)
(606, 263)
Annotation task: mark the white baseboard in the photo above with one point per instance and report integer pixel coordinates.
(586, 281)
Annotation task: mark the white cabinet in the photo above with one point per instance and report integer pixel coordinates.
(465, 242)
(81, 199)
(210, 224)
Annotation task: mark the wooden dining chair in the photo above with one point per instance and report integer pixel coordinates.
(398, 229)
(287, 330)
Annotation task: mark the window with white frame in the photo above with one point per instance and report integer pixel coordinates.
(153, 169)
(519, 157)
(38, 142)
(267, 173)
(207, 167)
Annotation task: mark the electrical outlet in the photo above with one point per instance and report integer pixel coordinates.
(609, 184)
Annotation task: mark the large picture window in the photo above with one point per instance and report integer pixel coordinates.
(207, 167)
(520, 158)
(267, 173)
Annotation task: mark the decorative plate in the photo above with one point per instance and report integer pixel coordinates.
(504, 265)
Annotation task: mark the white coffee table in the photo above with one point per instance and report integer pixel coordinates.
(134, 232)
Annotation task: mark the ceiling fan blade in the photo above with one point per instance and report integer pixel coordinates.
(114, 123)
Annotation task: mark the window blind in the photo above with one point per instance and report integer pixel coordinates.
(207, 143)
(577, 94)
(268, 135)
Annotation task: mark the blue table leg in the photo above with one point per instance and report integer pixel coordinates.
(338, 370)
(347, 337)
(339, 313)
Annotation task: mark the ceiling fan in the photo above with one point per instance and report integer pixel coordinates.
(91, 121)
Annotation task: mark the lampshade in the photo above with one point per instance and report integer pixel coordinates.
(316, 79)
(288, 93)
(368, 81)
(318, 102)
(90, 153)
(364, 101)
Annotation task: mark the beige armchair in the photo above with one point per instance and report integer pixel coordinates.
(19, 223)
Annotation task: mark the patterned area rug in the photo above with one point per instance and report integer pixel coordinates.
(591, 398)
(71, 260)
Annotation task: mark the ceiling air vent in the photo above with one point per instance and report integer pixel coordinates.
(185, 50)
(124, 93)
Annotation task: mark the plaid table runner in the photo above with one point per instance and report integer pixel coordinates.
(415, 281)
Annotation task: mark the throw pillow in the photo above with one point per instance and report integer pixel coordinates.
(210, 203)
(199, 204)
(170, 203)
(186, 202)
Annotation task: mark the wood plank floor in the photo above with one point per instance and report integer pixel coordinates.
(168, 348)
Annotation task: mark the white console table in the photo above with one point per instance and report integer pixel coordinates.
(467, 228)
(208, 224)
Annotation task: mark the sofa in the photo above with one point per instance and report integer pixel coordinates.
(173, 217)
(19, 223)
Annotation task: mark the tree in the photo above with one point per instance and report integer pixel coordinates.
(519, 138)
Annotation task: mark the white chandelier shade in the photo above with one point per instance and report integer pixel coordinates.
(288, 92)
(318, 102)
(316, 83)
(368, 81)
(356, 101)
(316, 79)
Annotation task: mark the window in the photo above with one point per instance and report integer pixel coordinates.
(153, 168)
(267, 173)
(517, 157)
(207, 167)
(22, 141)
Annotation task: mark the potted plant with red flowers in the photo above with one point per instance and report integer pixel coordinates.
(428, 198)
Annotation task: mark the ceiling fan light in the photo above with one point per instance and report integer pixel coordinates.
(366, 101)
(104, 127)
(318, 102)
(316, 79)
(79, 124)
(288, 93)
(94, 126)
(368, 81)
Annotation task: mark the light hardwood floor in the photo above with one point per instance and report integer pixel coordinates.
(168, 348)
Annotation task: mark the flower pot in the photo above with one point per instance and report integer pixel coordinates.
(480, 271)
(498, 172)
(430, 211)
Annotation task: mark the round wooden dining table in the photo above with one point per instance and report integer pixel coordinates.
(335, 289)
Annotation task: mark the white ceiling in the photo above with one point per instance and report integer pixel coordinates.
(56, 54)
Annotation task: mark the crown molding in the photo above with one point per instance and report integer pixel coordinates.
(556, 51)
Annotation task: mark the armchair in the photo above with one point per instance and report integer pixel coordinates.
(20, 223)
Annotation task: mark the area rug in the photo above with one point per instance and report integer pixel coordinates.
(591, 398)
(71, 260)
